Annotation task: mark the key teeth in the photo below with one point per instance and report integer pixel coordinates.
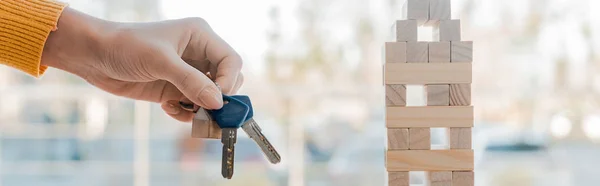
(253, 130)
(227, 161)
(228, 139)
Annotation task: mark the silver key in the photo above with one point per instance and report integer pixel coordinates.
(228, 138)
(253, 130)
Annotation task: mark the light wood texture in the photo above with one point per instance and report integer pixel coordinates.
(398, 178)
(460, 138)
(200, 129)
(430, 116)
(428, 73)
(406, 30)
(208, 129)
(438, 95)
(463, 178)
(204, 127)
(439, 9)
(440, 178)
(417, 52)
(447, 30)
(460, 94)
(439, 52)
(395, 52)
(419, 138)
(215, 131)
(395, 95)
(416, 10)
(397, 139)
(462, 51)
(429, 160)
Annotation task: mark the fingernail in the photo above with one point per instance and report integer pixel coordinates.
(172, 109)
(211, 98)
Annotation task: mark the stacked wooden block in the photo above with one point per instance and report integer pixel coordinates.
(444, 67)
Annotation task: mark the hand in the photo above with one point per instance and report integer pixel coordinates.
(163, 62)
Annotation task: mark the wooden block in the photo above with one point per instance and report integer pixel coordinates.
(439, 52)
(395, 95)
(417, 52)
(460, 138)
(204, 127)
(429, 160)
(419, 138)
(395, 52)
(406, 30)
(416, 10)
(215, 131)
(463, 178)
(200, 130)
(447, 30)
(430, 116)
(460, 94)
(462, 51)
(439, 9)
(428, 73)
(208, 129)
(397, 139)
(398, 178)
(438, 95)
(440, 178)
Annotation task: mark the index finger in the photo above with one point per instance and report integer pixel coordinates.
(227, 60)
(220, 54)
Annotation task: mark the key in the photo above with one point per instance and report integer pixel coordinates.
(253, 130)
(229, 118)
(228, 139)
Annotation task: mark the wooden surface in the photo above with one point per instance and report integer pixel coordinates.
(398, 178)
(419, 138)
(460, 94)
(440, 178)
(215, 131)
(438, 95)
(463, 178)
(429, 160)
(395, 52)
(416, 9)
(461, 51)
(447, 30)
(429, 116)
(428, 73)
(439, 9)
(204, 127)
(395, 95)
(397, 139)
(406, 30)
(439, 52)
(208, 129)
(417, 52)
(460, 138)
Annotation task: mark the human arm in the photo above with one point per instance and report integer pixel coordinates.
(162, 62)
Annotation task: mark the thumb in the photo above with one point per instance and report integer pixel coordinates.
(193, 84)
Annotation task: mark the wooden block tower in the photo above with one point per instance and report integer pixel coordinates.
(444, 67)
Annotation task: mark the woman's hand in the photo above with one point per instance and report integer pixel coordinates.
(163, 62)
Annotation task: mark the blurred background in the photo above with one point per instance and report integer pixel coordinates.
(313, 69)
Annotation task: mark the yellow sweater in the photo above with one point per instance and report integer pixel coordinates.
(24, 28)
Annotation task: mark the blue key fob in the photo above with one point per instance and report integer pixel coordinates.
(246, 100)
(232, 114)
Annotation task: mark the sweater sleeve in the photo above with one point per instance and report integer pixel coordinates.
(24, 28)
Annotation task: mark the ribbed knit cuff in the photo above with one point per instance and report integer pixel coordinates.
(24, 28)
